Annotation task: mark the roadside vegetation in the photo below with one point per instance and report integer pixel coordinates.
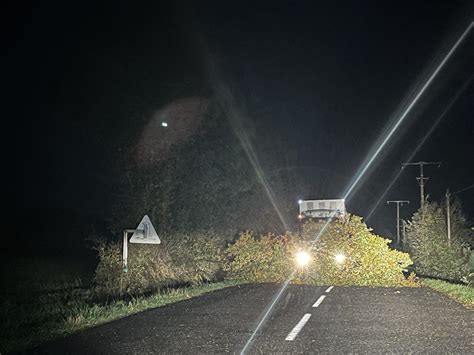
(181, 260)
(45, 299)
(433, 254)
(187, 265)
(344, 252)
(461, 293)
(446, 264)
(41, 314)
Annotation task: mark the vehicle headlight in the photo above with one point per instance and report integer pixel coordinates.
(302, 258)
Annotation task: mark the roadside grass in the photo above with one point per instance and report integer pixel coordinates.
(461, 293)
(35, 320)
(93, 315)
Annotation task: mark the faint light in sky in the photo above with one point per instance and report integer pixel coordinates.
(170, 125)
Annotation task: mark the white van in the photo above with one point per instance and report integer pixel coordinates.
(322, 209)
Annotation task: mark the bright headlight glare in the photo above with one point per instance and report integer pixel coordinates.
(340, 258)
(302, 258)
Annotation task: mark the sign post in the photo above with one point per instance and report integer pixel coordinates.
(145, 233)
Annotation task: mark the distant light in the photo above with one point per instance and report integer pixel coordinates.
(302, 258)
(300, 202)
(300, 216)
(164, 124)
(340, 258)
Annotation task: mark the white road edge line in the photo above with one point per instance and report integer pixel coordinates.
(294, 332)
(318, 302)
(329, 289)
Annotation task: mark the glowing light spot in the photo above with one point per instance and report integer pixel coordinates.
(302, 258)
(184, 116)
(359, 176)
(340, 258)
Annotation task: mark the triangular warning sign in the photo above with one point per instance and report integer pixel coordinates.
(145, 233)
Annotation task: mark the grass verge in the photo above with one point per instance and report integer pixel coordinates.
(59, 318)
(462, 294)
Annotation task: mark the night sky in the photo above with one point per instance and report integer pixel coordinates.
(322, 80)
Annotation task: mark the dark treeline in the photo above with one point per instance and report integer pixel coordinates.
(205, 182)
(222, 176)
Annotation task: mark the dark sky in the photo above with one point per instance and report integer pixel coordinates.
(325, 79)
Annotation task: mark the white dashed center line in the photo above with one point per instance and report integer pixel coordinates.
(318, 302)
(294, 332)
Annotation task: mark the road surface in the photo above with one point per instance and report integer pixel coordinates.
(306, 319)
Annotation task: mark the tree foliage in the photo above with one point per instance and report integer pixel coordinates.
(427, 242)
(205, 183)
(267, 258)
(368, 258)
(180, 259)
(208, 181)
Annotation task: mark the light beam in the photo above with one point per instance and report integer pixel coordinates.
(362, 173)
(408, 109)
(418, 147)
(266, 314)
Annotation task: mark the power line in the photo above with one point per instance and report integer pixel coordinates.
(420, 144)
(464, 189)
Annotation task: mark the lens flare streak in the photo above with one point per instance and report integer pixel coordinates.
(418, 147)
(235, 121)
(356, 181)
(266, 314)
(408, 109)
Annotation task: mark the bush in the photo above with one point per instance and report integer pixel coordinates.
(149, 269)
(368, 258)
(180, 260)
(263, 259)
(426, 241)
(198, 257)
(109, 272)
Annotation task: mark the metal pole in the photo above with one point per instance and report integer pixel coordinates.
(422, 187)
(125, 248)
(399, 203)
(422, 179)
(404, 230)
(448, 213)
(398, 224)
(125, 251)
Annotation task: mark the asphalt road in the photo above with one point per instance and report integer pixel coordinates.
(346, 320)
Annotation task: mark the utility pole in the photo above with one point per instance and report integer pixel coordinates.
(422, 178)
(399, 203)
(448, 209)
(404, 230)
(448, 213)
